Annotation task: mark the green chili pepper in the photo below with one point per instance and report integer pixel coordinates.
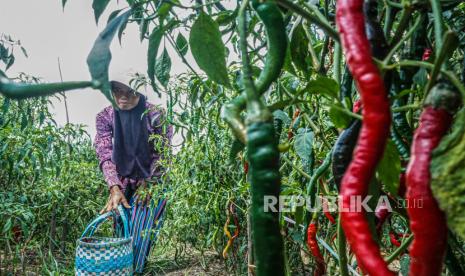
(276, 35)
(345, 93)
(263, 156)
(16, 90)
(402, 147)
(311, 186)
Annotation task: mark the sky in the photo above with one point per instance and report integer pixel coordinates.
(48, 32)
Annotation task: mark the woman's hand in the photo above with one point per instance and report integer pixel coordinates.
(116, 197)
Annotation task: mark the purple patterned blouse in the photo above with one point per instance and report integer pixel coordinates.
(104, 144)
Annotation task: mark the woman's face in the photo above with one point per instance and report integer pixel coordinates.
(125, 97)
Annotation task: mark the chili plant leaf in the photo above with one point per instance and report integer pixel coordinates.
(3, 53)
(99, 7)
(154, 43)
(299, 49)
(163, 67)
(7, 226)
(282, 116)
(5, 105)
(226, 17)
(24, 51)
(288, 62)
(388, 169)
(325, 86)
(421, 77)
(143, 29)
(181, 44)
(121, 31)
(208, 48)
(163, 10)
(236, 147)
(303, 143)
(447, 177)
(338, 117)
(100, 56)
(10, 63)
(113, 15)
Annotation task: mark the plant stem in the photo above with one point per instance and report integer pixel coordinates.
(341, 249)
(393, 4)
(317, 12)
(254, 106)
(399, 44)
(403, 23)
(450, 44)
(328, 29)
(388, 20)
(406, 107)
(422, 64)
(399, 250)
(337, 62)
(295, 167)
(438, 24)
(347, 112)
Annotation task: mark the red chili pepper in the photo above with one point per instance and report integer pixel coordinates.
(334, 237)
(373, 135)
(382, 214)
(427, 221)
(327, 213)
(393, 239)
(236, 223)
(313, 247)
(427, 54)
(17, 233)
(330, 217)
(226, 231)
(246, 167)
(290, 132)
(357, 106)
(403, 235)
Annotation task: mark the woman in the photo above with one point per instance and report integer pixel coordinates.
(125, 145)
(127, 158)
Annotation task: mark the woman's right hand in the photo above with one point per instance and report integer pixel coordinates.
(116, 197)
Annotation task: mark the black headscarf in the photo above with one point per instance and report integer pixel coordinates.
(131, 147)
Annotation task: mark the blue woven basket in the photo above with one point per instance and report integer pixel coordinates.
(104, 256)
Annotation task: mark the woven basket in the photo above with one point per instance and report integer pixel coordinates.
(104, 256)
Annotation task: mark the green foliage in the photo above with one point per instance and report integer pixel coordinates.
(163, 67)
(154, 44)
(202, 177)
(208, 48)
(49, 174)
(100, 56)
(99, 7)
(447, 182)
(7, 47)
(388, 169)
(50, 185)
(181, 44)
(299, 49)
(303, 143)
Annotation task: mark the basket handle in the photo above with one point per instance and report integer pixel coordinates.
(93, 226)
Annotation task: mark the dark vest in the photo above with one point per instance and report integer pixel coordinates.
(131, 147)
